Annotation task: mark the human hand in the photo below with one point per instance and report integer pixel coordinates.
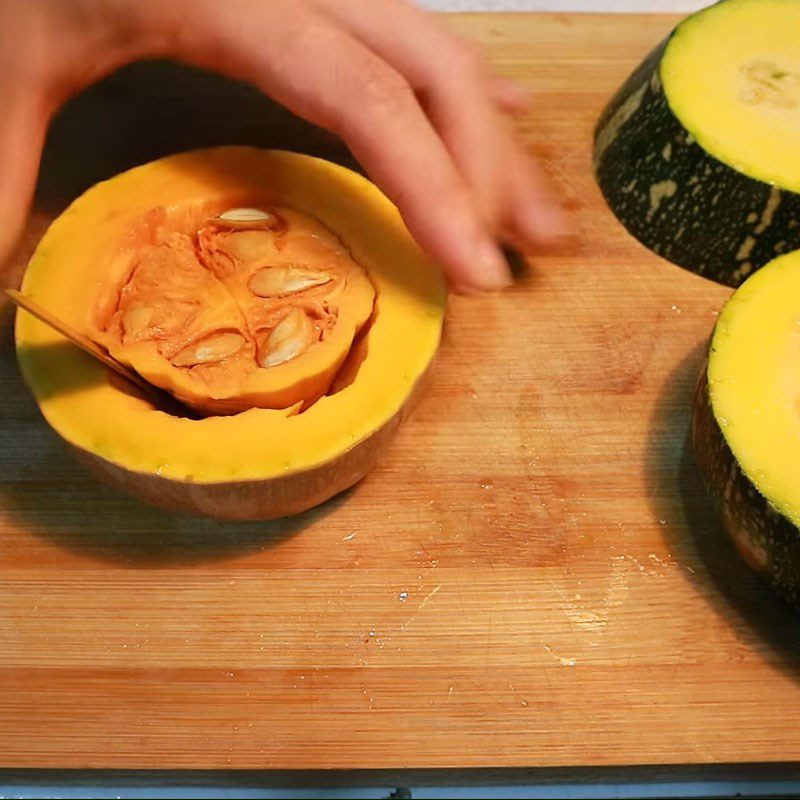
(416, 106)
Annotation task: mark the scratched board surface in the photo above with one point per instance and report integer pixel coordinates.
(532, 576)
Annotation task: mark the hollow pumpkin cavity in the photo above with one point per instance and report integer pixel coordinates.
(236, 308)
(279, 297)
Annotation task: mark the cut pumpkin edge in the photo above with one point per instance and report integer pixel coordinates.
(667, 182)
(410, 289)
(256, 498)
(756, 528)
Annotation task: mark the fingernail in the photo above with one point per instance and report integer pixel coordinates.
(464, 289)
(491, 269)
(549, 226)
(520, 95)
(552, 220)
(515, 96)
(522, 92)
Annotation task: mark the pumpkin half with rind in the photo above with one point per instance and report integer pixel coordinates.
(697, 155)
(276, 295)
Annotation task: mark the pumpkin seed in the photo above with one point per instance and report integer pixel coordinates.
(292, 336)
(213, 348)
(279, 281)
(245, 215)
(136, 319)
(766, 83)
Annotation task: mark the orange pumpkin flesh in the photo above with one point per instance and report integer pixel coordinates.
(235, 308)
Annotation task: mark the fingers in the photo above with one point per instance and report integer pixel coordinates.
(531, 214)
(22, 131)
(450, 84)
(387, 130)
(462, 101)
(322, 73)
(509, 97)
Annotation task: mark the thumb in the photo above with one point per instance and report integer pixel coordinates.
(22, 132)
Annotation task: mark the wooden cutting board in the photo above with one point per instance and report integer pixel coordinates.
(532, 576)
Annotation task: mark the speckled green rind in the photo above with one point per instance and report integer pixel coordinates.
(768, 541)
(677, 199)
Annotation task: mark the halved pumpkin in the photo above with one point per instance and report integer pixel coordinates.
(697, 154)
(746, 423)
(174, 267)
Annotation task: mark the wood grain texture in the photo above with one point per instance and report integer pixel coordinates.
(531, 577)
